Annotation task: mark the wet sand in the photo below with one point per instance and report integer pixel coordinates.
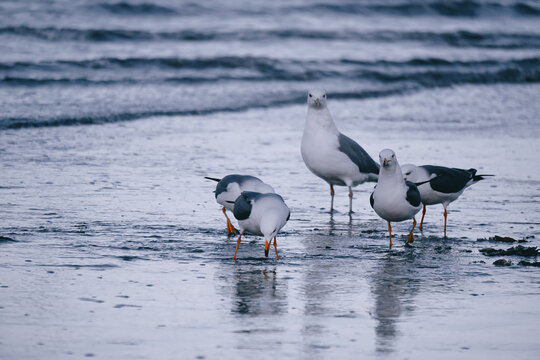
(118, 249)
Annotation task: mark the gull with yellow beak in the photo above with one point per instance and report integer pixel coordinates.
(394, 199)
(231, 186)
(332, 156)
(261, 214)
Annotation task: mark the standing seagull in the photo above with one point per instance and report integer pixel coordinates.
(394, 199)
(231, 186)
(261, 214)
(332, 156)
(439, 184)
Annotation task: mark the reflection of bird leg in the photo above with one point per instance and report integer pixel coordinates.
(275, 247)
(445, 215)
(230, 227)
(422, 220)
(350, 200)
(266, 247)
(331, 198)
(237, 244)
(390, 233)
(411, 236)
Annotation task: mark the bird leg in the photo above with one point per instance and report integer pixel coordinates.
(390, 233)
(350, 200)
(411, 236)
(445, 215)
(331, 198)
(422, 220)
(238, 244)
(230, 227)
(275, 247)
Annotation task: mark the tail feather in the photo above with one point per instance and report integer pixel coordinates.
(211, 178)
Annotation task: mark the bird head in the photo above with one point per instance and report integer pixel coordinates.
(410, 172)
(271, 222)
(387, 158)
(317, 98)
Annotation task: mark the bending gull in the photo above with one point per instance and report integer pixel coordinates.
(261, 214)
(231, 186)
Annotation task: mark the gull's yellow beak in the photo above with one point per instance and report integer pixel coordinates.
(266, 247)
(317, 101)
(385, 162)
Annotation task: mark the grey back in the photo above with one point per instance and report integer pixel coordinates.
(357, 155)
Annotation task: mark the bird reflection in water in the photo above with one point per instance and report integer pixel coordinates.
(393, 288)
(332, 226)
(258, 291)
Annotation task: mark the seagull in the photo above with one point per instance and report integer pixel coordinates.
(261, 214)
(332, 156)
(439, 184)
(394, 199)
(231, 186)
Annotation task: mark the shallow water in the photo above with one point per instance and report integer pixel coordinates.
(120, 250)
(74, 62)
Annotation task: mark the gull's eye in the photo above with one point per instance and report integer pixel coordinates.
(409, 173)
(310, 95)
(393, 155)
(324, 95)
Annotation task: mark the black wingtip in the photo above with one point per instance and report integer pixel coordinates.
(480, 177)
(213, 179)
(422, 182)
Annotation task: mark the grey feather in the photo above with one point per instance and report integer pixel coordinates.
(357, 155)
(413, 195)
(233, 178)
(449, 180)
(242, 205)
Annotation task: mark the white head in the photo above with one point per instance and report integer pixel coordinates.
(271, 222)
(410, 172)
(317, 98)
(388, 159)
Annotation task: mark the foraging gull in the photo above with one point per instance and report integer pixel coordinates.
(261, 214)
(231, 186)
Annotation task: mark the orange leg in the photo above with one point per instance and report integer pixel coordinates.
(331, 198)
(275, 247)
(411, 236)
(445, 215)
(390, 233)
(422, 220)
(237, 244)
(230, 227)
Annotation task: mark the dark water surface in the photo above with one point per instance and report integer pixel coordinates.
(111, 243)
(80, 62)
